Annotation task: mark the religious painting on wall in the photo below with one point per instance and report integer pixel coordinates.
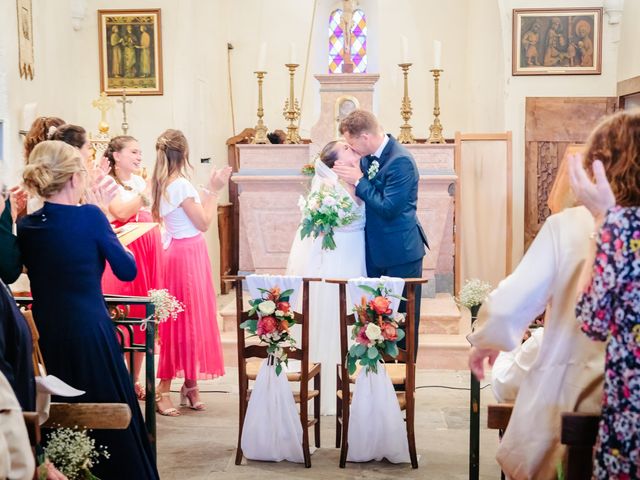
(565, 41)
(25, 39)
(130, 52)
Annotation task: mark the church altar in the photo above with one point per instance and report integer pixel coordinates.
(270, 183)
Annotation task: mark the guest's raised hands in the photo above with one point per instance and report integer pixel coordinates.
(18, 198)
(596, 196)
(476, 360)
(219, 178)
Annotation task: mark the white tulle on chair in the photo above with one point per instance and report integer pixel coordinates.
(376, 427)
(272, 430)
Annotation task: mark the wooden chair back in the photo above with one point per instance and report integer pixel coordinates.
(406, 356)
(579, 434)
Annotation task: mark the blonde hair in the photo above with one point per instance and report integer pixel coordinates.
(172, 159)
(50, 166)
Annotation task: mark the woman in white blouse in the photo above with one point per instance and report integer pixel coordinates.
(190, 346)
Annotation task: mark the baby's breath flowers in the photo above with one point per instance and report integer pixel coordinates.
(473, 293)
(73, 452)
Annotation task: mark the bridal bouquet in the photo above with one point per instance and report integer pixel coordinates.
(275, 317)
(375, 331)
(323, 211)
(73, 452)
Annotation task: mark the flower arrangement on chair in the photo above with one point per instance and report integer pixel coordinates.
(375, 330)
(323, 211)
(274, 319)
(73, 452)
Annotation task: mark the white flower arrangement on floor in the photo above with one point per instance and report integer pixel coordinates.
(73, 452)
(473, 293)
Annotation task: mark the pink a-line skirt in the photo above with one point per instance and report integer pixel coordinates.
(190, 346)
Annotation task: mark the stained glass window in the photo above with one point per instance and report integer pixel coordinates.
(358, 44)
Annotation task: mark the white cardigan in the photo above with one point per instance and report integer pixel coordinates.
(568, 372)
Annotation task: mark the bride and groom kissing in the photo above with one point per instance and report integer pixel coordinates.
(386, 239)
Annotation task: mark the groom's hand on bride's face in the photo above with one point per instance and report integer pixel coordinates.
(347, 172)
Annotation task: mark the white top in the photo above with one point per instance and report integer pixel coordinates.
(136, 183)
(176, 221)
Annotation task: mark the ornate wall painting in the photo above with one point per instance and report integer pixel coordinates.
(566, 41)
(25, 39)
(130, 51)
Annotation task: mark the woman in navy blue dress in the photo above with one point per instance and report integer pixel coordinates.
(64, 248)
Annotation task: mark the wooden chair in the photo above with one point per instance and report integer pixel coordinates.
(401, 370)
(498, 416)
(107, 415)
(579, 434)
(248, 370)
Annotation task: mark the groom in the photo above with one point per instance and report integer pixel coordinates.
(387, 182)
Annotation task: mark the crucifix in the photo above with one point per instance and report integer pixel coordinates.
(123, 100)
(346, 23)
(104, 104)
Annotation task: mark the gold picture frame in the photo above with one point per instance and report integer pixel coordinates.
(130, 51)
(562, 41)
(25, 39)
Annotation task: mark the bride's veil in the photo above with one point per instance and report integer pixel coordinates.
(301, 248)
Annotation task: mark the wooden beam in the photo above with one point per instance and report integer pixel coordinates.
(114, 416)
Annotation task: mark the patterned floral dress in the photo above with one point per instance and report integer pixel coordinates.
(609, 310)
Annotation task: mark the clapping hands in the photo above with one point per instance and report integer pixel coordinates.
(102, 188)
(219, 178)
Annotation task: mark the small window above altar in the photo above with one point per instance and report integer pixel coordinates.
(357, 39)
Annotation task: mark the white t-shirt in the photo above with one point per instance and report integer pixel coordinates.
(137, 185)
(176, 221)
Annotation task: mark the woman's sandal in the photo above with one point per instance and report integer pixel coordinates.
(167, 412)
(186, 401)
(140, 392)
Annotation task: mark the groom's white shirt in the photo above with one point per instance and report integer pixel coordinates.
(380, 149)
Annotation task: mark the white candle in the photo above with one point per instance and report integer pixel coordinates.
(292, 53)
(405, 49)
(262, 57)
(437, 53)
(28, 116)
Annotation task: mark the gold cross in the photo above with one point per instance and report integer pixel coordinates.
(104, 104)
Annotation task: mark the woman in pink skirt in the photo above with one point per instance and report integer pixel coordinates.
(190, 346)
(131, 204)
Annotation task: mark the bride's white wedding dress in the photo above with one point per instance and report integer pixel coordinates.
(347, 260)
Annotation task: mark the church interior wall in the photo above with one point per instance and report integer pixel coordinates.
(478, 92)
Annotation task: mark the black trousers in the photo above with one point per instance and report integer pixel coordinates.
(405, 270)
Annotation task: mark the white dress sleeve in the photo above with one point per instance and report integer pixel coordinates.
(520, 297)
(179, 190)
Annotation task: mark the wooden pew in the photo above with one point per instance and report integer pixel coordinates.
(579, 434)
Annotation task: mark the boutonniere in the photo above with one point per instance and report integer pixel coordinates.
(373, 169)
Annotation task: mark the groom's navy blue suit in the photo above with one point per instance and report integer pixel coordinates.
(395, 241)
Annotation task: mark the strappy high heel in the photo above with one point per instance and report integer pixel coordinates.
(167, 412)
(186, 401)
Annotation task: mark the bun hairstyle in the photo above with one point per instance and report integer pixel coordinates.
(51, 165)
(40, 130)
(74, 135)
(172, 159)
(329, 154)
(116, 145)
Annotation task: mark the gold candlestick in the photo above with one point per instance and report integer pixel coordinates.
(291, 108)
(261, 129)
(406, 136)
(436, 126)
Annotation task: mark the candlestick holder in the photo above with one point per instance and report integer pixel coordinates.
(292, 108)
(261, 129)
(436, 127)
(406, 135)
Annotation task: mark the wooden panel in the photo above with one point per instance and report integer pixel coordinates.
(113, 416)
(227, 242)
(551, 125)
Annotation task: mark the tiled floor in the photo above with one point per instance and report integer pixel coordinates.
(201, 445)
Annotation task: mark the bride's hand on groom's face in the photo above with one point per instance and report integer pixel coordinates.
(347, 172)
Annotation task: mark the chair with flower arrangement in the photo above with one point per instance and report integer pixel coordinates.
(400, 370)
(252, 354)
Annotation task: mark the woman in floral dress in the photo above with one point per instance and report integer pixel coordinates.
(609, 308)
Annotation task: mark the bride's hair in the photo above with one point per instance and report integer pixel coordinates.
(329, 154)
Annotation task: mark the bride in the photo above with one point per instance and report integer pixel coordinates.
(307, 258)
